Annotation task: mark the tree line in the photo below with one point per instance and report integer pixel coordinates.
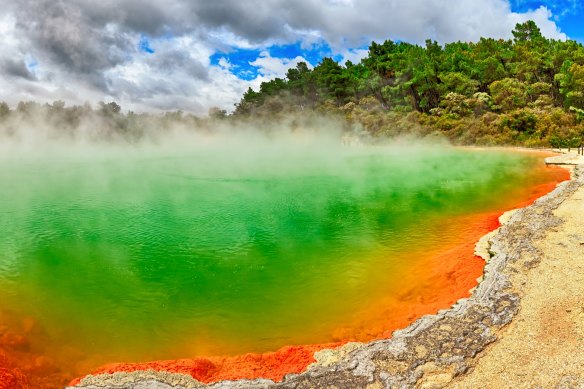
(527, 90)
(105, 122)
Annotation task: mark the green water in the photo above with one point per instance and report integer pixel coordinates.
(166, 253)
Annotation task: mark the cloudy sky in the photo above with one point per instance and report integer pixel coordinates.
(153, 55)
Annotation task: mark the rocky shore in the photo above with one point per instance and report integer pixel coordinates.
(437, 350)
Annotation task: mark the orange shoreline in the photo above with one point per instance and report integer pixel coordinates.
(453, 274)
(454, 281)
(460, 277)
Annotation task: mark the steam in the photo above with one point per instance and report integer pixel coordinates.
(103, 204)
(55, 128)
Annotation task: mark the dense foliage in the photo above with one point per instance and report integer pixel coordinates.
(528, 90)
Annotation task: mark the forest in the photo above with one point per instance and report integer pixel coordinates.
(526, 91)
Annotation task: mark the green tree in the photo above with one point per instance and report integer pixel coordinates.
(331, 81)
(571, 81)
(458, 83)
(4, 110)
(527, 32)
(509, 93)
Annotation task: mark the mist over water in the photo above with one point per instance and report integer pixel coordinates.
(227, 242)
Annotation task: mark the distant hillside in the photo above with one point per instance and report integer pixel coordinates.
(528, 91)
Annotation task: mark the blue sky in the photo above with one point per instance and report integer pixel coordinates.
(568, 14)
(144, 45)
(241, 59)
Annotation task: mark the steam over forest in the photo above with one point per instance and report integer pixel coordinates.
(527, 91)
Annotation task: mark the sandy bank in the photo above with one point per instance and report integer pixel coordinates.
(544, 345)
(436, 349)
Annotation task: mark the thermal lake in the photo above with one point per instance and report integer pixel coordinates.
(131, 255)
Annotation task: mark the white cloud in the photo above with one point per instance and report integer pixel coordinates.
(224, 63)
(354, 55)
(415, 21)
(101, 59)
(543, 17)
(168, 79)
(270, 67)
